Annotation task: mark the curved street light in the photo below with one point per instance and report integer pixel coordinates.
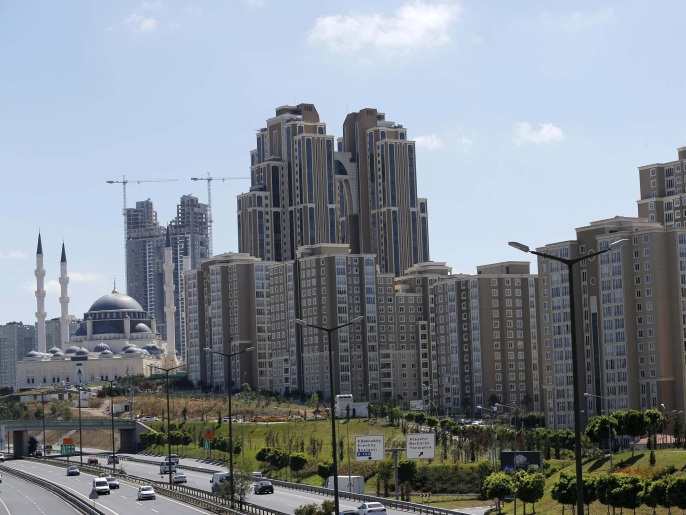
(230, 381)
(332, 401)
(569, 263)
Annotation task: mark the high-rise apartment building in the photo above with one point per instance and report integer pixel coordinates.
(662, 191)
(145, 244)
(16, 341)
(305, 193)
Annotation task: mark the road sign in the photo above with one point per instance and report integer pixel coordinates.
(207, 445)
(67, 441)
(420, 446)
(369, 448)
(209, 436)
(67, 449)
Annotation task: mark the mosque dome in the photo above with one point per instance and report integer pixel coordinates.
(82, 330)
(141, 328)
(106, 354)
(73, 349)
(58, 355)
(34, 355)
(115, 301)
(153, 349)
(101, 347)
(81, 352)
(54, 350)
(133, 350)
(106, 328)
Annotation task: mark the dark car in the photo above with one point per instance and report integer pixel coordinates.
(112, 458)
(73, 470)
(264, 487)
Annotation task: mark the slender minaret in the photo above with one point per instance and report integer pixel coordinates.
(40, 299)
(64, 301)
(169, 307)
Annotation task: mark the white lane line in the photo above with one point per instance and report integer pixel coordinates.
(6, 508)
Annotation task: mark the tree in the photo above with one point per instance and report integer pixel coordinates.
(625, 491)
(530, 488)
(654, 420)
(498, 485)
(407, 471)
(655, 493)
(297, 461)
(33, 444)
(325, 469)
(633, 423)
(600, 428)
(590, 491)
(676, 492)
(564, 490)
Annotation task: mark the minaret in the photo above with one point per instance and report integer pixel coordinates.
(169, 307)
(64, 300)
(40, 299)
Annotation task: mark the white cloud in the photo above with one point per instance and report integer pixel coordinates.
(572, 22)
(141, 23)
(547, 133)
(429, 142)
(84, 277)
(412, 26)
(12, 254)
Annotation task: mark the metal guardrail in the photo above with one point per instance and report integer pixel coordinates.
(73, 499)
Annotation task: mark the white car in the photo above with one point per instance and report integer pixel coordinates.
(2, 457)
(148, 419)
(146, 492)
(179, 477)
(371, 507)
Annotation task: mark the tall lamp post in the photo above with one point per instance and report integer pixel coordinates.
(609, 425)
(569, 263)
(79, 388)
(332, 399)
(515, 410)
(494, 411)
(169, 461)
(112, 382)
(230, 381)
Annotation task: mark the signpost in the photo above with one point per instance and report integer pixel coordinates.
(421, 446)
(369, 448)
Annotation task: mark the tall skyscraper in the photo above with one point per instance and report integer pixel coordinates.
(305, 193)
(145, 244)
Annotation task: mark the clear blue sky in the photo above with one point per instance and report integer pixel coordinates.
(531, 117)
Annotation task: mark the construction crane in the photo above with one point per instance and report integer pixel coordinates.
(124, 181)
(209, 180)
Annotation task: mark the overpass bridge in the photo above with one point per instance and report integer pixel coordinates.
(128, 429)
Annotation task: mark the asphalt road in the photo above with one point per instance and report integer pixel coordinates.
(19, 496)
(123, 501)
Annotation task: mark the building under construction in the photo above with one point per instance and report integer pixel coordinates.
(145, 242)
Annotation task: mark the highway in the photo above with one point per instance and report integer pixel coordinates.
(123, 501)
(19, 496)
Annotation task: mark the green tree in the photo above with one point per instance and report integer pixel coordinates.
(530, 488)
(590, 491)
(600, 428)
(676, 492)
(633, 423)
(325, 469)
(384, 472)
(655, 493)
(497, 485)
(407, 471)
(564, 491)
(625, 491)
(297, 461)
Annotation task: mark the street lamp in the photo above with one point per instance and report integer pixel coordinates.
(230, 381)
(169, 460)
(494, 411)
(609, 426)
(569, 263)
(79, 388)
(42, 399)
(332, 400)
(114, 456)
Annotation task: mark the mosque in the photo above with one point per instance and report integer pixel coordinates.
(116, 338)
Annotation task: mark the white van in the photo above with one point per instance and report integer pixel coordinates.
(217, 479)
(174, 457)
(165, 467)
(101, 486)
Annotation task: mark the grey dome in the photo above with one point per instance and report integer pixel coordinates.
(81, 352)
(106, 354)
(133, 350)
(141, 328)
(58, 355)
(54, 350)
(101, 347)
(116, 301)
(34, 354)
(72, 349)
(152, 348)
(81, 331)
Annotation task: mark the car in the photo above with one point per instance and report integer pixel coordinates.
(101, 486)
(38, 453)
(2, 457)
(0, 478)
(349, 512)
(264, 487)
(113, 482)
(73, 470)
(93, 461)
(113, 458)
(179, 477)
(371, 507)
(146, 492)
(148, 419)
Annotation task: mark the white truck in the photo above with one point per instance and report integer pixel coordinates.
(354, 484)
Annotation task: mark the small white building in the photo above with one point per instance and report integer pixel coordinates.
(345, 403)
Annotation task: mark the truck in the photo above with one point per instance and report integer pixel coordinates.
(354, 484)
